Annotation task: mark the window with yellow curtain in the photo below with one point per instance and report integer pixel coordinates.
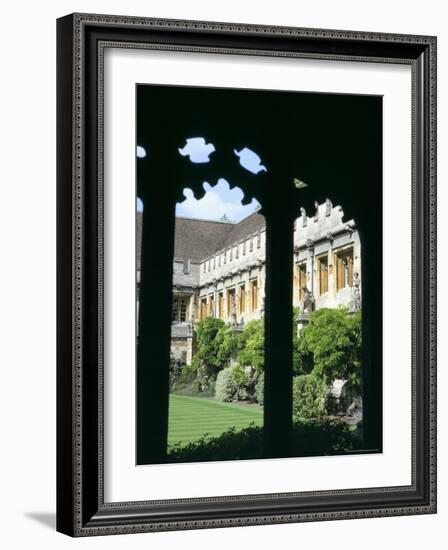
(322, 263)
(220, 305)
(344, 269)
(254, 294)
(203, 309)
(241, 299)
(301, 279)
(230, 301)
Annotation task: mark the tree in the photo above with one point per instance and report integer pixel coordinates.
(226, 342)
(214, 344)
(309, 396)
(302, 361)
(175, 369)
(251, 345)
(333, 339)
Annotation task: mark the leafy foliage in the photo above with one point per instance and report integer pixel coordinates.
(232, 384)
(240, 376)
(301, 361)
(251, 345)
(226, 342)
(328, 347)
(259, 389)
(188, 383)
(310, 438)
(214, 341)
(309, 394)
(175, 370)
(225, 387)
(251, 348)
(333, 339)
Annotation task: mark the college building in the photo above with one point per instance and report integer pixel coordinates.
(219, 270)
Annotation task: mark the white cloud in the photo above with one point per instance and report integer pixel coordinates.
(217, 202)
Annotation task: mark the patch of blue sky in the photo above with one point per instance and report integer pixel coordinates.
(217, 202)
(250, 160)
(197, 150)
(141, 152)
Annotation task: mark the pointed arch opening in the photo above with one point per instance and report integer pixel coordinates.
(327, 312)
(216, 362)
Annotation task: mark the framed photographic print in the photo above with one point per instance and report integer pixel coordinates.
(246, 274)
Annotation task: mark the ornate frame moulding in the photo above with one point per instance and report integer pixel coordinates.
(81, 41)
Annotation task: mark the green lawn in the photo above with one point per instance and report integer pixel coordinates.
(190, 418)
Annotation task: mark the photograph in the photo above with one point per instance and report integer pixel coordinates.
(246, 274)
(215, 155)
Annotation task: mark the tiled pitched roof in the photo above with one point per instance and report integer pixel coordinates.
(250, 225)
(197, 239)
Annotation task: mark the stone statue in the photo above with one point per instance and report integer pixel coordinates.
(234, 321)
(307, 304)
(355, 303)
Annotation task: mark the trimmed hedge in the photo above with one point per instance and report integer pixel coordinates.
(310, 438)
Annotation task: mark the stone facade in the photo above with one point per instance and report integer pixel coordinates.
(219, 270)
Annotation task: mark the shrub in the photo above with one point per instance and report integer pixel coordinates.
(240, 377)
(244, 380)
(214, 344)
(251, 345)
(187, 382)
(309, 395)
(310, 438)
(175, 370)
(232, 383)
(225, 388)
(203, 376)
(226, 343)
(259, 389)
(332, 338)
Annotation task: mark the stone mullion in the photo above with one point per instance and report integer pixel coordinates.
(278, 332)
(246, 291)
(153, 350)
(332, 286)
(261, 288)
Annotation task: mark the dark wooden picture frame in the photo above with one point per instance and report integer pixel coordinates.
(81, 508)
